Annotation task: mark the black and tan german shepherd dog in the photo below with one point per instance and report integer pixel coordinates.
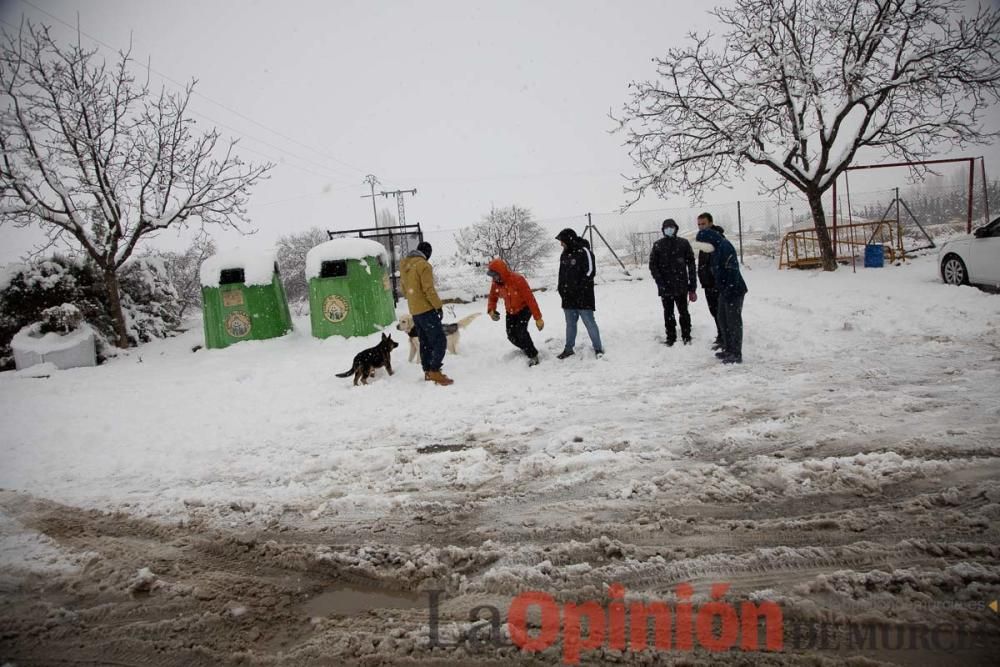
(367, 361)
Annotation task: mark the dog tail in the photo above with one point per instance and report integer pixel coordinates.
(467, 320)
(346, 373)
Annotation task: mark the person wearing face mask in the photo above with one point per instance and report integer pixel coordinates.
(671, 263)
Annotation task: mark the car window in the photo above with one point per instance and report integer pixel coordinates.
(991, 230)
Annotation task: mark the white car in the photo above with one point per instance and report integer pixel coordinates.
(973, 259)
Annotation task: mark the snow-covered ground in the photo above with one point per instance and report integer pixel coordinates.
(861, 434)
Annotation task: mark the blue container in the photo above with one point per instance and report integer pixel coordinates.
(874, 256)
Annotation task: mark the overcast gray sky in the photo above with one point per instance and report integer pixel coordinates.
(471, 103)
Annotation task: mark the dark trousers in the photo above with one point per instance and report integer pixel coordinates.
(517, 331)
(712, 297)
(731, 324)
(681, 301)
(433, 342)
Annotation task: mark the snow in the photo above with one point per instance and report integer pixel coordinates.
(7, 273)
(258, 266)
(338, 249)
(852, 382)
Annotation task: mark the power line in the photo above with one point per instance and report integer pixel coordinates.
(208, 99)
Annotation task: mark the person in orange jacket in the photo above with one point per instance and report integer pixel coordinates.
(520, 303)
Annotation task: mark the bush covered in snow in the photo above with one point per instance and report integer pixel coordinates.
(49, 290)
(61, 319)
(183, 271)
(150, 302)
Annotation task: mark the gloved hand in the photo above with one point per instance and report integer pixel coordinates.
(540, 323)
(692, 296)
(440, 313)
(494, 315)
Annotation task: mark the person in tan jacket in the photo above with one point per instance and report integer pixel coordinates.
(417, 277)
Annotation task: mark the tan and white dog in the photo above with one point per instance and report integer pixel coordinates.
(452, 331)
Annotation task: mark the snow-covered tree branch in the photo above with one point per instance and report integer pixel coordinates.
(98, 160)
(509, 233)
(799, 86)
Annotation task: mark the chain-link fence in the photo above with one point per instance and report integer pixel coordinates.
(758, 227)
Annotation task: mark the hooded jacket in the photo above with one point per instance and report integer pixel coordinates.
(705, 276)
(513, 289)
(725, 264)
(417, 277)
(577, 269)
(671, 263)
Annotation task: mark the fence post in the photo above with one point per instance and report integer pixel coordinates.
(739, 222)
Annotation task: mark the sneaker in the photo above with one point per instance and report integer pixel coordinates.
(721, 354)
(598, 353)
(437, 377)
(533, 361)
(562, 355)
(687, 340)
(670, 342)
(732, 359)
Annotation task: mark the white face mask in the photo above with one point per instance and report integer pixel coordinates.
(669, 231)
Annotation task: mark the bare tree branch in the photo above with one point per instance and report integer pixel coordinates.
(799, 86)
(87, 153)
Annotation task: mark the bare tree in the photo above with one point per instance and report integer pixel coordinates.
(386, 218)
(508, 233)
(799, 86)
(97, 160)
(183, 271)
(291, 252)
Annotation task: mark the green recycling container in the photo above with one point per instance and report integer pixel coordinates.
(243, 299)
(349, 289)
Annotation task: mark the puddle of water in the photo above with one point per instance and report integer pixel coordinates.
(348, 601)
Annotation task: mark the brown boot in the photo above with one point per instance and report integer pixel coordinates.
(437, 377)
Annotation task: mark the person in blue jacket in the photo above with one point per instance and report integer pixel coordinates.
(729, 281)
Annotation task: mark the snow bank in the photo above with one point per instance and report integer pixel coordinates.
(338, 249)
(258, 266)
(71, 350)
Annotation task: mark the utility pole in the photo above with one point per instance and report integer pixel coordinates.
(399, 202)
(371, 180)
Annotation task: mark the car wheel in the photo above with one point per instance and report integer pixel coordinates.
(953, 271)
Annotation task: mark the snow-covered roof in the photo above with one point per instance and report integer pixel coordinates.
(257, 265)
(338, 249)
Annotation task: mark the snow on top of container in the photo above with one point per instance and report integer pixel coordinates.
(257, 265)
(28, 339)
(338, 249)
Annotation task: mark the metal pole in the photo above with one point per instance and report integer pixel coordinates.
(972, 184)
(986, 191)
(371, 180)
(608, 245)
(739, 222)
(590, 226)
(834, 217)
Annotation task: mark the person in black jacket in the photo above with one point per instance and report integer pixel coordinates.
(577, 269)
(705, 277)
(672, 264)
(732, 288)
